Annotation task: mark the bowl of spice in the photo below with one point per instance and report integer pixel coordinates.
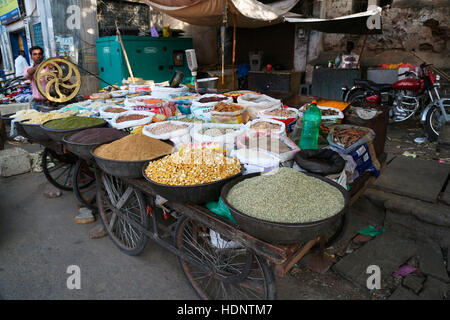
(285, 206)
(126, 156)
(191, 175)
(58, 128)
(81, 143)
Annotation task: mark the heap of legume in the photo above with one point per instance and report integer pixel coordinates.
(286, 195)
(216, 132)
(192, 167)
(74, 122)
(131, 117)
(166, 127)
(115, 110)
(264, 125)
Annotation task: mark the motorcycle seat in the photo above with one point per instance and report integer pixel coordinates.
(380, 87)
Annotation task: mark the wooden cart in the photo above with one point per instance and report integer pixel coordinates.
(219, 260)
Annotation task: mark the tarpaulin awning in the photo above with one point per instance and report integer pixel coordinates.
(359, 23)
(248, 13)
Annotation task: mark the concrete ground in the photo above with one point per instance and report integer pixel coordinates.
(39, 241)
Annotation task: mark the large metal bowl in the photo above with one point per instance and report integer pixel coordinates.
(123, 169)
(7, 118)
(35, 132)
(284, 233)
(197, 194)
(58, 134)
(82, 150)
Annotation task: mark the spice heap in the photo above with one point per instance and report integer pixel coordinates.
(131, 117)
(227, 107)
(166, 127)
(281, 113)
(134, 147)
(97, 136)
(74, 123)
(287, 196)
(263, 125)
(115, 110)
(192, 167)
(347, 136)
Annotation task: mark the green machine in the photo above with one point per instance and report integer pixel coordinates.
(150, 58)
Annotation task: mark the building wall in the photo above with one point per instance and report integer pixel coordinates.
(422, 25)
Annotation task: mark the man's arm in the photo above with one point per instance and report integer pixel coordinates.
(28, 72)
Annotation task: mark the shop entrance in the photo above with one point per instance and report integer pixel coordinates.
(19, 42)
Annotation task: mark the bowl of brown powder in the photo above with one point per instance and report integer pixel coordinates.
(126, 156)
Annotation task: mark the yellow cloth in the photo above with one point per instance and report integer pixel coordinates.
(333, 103)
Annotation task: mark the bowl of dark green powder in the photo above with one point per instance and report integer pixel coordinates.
(286, 206)
(56, 129)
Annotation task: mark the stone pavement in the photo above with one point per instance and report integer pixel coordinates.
(415, 241)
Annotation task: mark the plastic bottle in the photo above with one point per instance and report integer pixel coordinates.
(311, 126)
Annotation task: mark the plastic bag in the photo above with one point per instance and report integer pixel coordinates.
(220, 209)
(364, 161)
(228, 137)
(168, 135)
(234, 117)
(110, 115)
(367, 138)
(289, 122)
(183, 101)
(252, 140)
(328, 161)
(256, 103)
(148, 103)
(132, 123)
(162, 91)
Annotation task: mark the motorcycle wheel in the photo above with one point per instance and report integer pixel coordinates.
(432, 125)
(359, 95)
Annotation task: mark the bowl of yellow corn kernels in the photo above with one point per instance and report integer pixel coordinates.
(191, 175)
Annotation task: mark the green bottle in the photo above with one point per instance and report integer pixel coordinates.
(311, 126)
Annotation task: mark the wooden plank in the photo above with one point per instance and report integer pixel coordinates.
(281, 269)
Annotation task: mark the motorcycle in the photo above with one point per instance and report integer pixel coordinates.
(416, 94)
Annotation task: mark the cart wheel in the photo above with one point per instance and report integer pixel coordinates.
(113, 195)
(84, 186)
(59, 175)
(232, 272)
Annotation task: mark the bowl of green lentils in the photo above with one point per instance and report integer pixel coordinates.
(286, 206)
(56, 129)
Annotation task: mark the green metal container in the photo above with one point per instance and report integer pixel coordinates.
(150, 58)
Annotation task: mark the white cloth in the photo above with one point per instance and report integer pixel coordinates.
(20, 64)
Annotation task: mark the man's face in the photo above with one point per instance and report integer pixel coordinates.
(37, 56)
